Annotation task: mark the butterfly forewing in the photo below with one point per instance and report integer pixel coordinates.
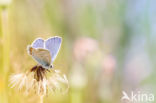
(53, 45)
(38, 43)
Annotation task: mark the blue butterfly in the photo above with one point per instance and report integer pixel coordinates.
(45, 51)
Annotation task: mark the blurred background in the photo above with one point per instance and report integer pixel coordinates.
(108, 46)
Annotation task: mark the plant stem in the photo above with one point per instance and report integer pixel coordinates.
(5, 47)
(41, 98)
(6, 40)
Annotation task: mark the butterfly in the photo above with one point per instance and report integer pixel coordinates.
(44, 52)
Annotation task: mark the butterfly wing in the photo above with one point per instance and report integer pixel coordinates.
(42, 56)
(38, 43)
(53, 45)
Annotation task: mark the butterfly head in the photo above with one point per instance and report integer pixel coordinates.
(47, 66)
(51, 66)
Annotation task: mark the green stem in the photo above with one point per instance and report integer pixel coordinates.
(6, 40)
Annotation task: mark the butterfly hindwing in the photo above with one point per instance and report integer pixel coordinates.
(42, 56)
(53, 45)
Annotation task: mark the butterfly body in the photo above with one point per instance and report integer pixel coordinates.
(44, 52)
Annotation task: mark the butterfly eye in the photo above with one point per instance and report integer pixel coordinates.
(51, 66)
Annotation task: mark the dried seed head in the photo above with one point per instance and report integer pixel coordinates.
(37, 81)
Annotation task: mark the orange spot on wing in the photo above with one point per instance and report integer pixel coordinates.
(30, 50)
